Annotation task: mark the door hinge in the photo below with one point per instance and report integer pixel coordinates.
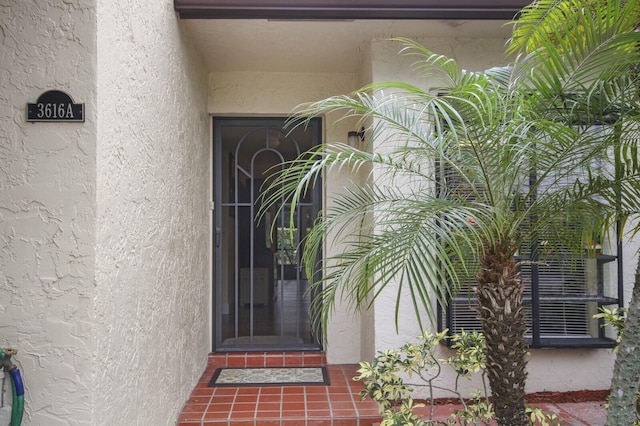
(211, 205)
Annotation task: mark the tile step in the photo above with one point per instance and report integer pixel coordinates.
(268, 359)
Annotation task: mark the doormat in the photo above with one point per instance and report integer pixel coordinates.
(270, 376)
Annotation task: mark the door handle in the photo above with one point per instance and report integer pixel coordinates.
(218, 237)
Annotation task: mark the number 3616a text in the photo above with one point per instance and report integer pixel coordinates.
(50, 110)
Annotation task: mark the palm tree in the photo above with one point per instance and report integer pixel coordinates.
(464, 175)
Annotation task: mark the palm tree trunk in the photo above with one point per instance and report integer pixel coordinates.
(626, 370)
(503, 320)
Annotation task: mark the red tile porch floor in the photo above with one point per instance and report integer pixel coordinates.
(338, 404)
(335, 405)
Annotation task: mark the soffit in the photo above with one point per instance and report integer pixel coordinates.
(235, 45)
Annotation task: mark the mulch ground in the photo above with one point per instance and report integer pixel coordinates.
(573, 396)
(550, 397)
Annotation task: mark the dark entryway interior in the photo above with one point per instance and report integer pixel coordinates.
(262, 297)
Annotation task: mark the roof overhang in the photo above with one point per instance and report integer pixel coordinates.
(349, 9)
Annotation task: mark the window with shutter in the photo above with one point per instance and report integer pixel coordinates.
(563, 291)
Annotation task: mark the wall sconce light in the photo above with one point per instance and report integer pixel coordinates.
(353, 137)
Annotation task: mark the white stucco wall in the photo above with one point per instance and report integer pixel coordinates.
(273, 93)
(104, 260)
(367, 316)
(152, 241)
(48, 208)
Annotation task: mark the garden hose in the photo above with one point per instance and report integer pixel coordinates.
(17, 387)
(17, 407)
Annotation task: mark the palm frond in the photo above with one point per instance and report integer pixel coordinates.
(454, 170)
(570, 25)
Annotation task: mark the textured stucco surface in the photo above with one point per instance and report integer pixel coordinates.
(152, 241)
(47, 207)
(104, 231)
(273, 93)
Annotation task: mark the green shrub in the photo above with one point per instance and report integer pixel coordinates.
(384, 383)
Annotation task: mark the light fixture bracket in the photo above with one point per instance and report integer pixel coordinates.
(360, 133)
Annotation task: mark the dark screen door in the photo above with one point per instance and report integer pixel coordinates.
(261, 294)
